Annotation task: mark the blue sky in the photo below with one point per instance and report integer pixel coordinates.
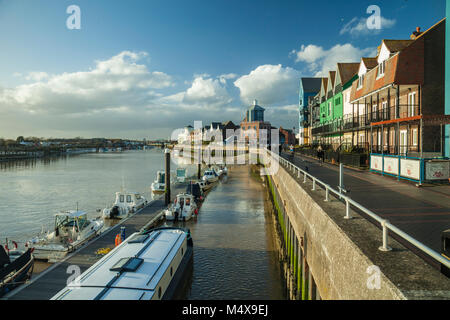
(168, 63)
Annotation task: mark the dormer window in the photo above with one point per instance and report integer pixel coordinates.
(360, 81)
(381, 68)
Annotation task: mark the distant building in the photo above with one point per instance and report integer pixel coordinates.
(253, 123)
(287, 137)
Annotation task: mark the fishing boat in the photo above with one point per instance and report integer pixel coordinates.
(16, 267)
(126, 204)
(72, 230)
(210, 176)
(159, 185)
(183, 209)
(181, 175)
(147, 266)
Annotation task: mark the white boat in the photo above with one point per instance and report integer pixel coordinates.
(181, 175)
(146, 266)
(159, 185)
(72, 230)
(205, 185)
(126, 204)
(210, 176)
(183, 209)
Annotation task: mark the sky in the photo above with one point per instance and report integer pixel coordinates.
(143, 68)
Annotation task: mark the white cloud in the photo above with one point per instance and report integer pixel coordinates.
(229, 76)
(358, 27)
(116, 81)
(37, 76)
(321, 61)
(206, 91)
(269, 84)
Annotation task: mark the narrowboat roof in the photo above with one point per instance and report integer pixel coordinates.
(131, 271)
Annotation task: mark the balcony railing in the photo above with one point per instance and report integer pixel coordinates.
(363, 120)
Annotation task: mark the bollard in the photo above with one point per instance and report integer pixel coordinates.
(385, 247)
(123, 235)
(304, 178)
(167, 180)
(327, 194)
(314, 185)
(347, 210)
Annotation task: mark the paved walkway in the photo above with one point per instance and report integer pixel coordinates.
(422, 212)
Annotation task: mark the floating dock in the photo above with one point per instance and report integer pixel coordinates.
(45, 285)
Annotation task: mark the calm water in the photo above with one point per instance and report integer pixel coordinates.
(234, 254)
(32, 192)
(234, 251)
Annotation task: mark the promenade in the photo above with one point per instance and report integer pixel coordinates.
(422, 212)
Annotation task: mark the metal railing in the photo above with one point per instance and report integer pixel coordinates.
(385, 224)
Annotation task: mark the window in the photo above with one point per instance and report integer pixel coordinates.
(381, 68)
(412, 104)
(329, 108)
(122, 198)
(360, 81)
(129, 199)
(415, 137)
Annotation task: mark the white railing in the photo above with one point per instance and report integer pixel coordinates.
(385, 224)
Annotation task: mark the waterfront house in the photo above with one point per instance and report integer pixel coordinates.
(402, 91)
(309, 87)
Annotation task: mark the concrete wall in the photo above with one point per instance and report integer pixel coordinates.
(339, 253)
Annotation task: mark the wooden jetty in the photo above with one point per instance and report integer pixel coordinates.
(51, 281)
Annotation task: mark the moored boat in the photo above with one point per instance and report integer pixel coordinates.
(181, 175)
(72, 230)
(183, 209)
(210, 176)
(16, 267)
(147, 266)
(126, 204)
(195, 189)
(159, 185)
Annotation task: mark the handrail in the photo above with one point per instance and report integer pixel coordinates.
(385, 224)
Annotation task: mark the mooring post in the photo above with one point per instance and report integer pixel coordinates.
(167, 177)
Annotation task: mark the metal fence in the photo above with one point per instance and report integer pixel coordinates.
(386, 226)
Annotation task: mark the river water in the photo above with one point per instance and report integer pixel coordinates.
(32, 192)
(235, 256)
(234, 249)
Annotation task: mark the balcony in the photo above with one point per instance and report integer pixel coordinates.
(350, 122)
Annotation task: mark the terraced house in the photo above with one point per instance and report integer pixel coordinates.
(402, 93)
(391, 107)
(335, 104)
(309, 87)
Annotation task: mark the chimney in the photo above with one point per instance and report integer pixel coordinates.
(255, 103)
